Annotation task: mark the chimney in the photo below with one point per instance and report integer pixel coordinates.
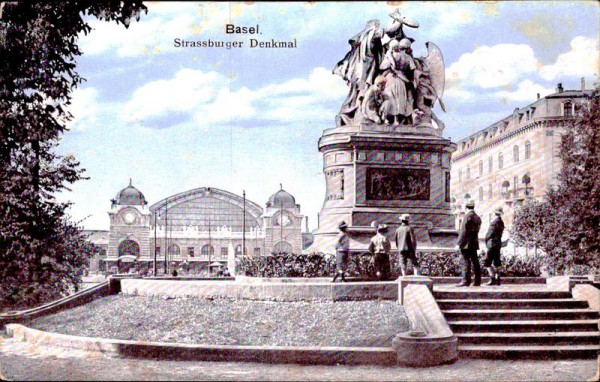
(559, 88)
(582, 83)
(538, 96)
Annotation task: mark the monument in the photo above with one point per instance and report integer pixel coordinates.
(386, 156)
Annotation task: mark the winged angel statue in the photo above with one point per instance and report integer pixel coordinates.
(387, 84)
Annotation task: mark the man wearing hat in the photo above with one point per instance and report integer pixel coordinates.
(406, 242)
(493, 242)
(380, 249)
(342, 249)
(468, 243)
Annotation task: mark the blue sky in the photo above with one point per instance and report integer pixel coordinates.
(174, 119)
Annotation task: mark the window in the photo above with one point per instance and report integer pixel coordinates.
(468, 172)
(157, 250)
(174, 250)
(490, 165)
(480, 168)
(191, 251)
(223, 252)
(490, 192)
(568, 109)
(460, 176)
(257, 251)
(207, 250)
(527, 150)
(516, 185)
(500, 161)
(481, 194)
(515, 153)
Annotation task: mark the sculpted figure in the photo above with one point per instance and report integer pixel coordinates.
(360, 66)
(398, 67)
(373, 101)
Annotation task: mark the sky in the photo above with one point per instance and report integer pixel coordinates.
(173, 119)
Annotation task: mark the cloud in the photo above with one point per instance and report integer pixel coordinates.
(582, 60)
(493, 66)
(210, 98)
(161, 24)
(84, 107)
(525, 91)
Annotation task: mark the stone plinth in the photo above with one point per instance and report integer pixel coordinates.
(378, 172)
(405, 281)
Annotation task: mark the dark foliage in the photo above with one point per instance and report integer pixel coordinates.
(566, 225)
(435, 264)
(41, 251)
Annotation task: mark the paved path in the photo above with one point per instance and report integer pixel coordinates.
(23, 361)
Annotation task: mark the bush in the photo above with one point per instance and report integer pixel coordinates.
(434, 264)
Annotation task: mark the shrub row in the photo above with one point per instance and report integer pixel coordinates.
(433, 264)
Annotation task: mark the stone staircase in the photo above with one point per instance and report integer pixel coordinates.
(510, 323)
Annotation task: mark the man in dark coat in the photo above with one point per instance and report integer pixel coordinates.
(493, 242)
(468, 243)
(406, 242)
(342, 250)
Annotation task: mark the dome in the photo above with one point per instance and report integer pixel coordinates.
(282, 199)
(130, 196)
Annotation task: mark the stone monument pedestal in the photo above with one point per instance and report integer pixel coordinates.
(377, 172)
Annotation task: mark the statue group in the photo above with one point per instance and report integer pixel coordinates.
(387, 84)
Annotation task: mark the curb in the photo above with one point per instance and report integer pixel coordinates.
(329, 355)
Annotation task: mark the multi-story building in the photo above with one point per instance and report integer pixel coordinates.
(196, 229)
(514, 158)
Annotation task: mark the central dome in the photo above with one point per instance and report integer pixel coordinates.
(130, 196)
(282, 199)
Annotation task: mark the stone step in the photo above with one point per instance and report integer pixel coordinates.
(545, 303)
(531, 352)
(520, 314)
(533, 338)
(481, 293)
(462, 326)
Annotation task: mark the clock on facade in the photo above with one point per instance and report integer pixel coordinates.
(129, 217)
(282, 219)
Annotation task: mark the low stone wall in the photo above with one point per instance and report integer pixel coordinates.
(177, 351)
(263, 291)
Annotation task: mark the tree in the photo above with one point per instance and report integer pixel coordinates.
(566, 224)
(41, 251)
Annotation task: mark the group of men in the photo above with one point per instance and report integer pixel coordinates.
(406, 244)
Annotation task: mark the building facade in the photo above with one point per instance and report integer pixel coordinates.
(514, 158)
(196, 230)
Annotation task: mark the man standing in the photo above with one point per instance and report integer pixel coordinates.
(493, 242)
(380, 249)
(406, 242)
(468, 243)
(342, 248)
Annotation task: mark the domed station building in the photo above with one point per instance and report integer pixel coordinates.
(198, 230)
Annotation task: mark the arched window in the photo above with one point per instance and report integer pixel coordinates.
(500, 161)
(568, 109)
(238, 250)
(490, 192)
(527, 150)
(490, 165)
(515, 153)
(468, 172)
(460, 176)
(481, 194)
(480, 168)
(129, 248)
(207, 250)
(282, 246)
